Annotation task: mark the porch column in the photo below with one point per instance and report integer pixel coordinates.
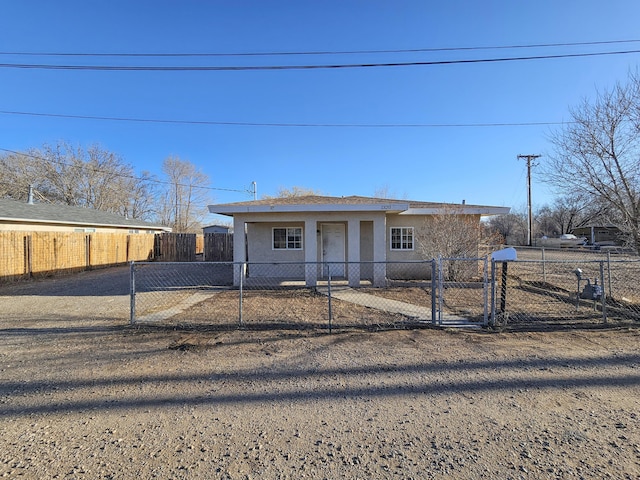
(311, 252)
(379, 251)
(239, 250)
(353, 252)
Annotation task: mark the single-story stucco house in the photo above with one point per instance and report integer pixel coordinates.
(343, 236)
(47, 217)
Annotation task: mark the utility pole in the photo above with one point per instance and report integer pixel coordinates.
(529, 159)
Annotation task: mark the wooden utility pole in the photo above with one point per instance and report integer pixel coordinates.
(529, 159)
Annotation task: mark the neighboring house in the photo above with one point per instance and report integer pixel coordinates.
(216, 229)
(343, 235)
(45, 217)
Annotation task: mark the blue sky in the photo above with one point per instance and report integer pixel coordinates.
(449, 164)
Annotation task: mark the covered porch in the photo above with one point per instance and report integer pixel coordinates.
(310, 247)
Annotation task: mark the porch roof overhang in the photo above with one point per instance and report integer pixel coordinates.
(461, 210)
(353, 204)
(231, 210)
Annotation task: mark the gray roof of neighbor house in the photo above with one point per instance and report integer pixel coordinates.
(313, 202)
(47, 213)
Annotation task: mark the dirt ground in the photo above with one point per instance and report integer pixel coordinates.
(84, 395)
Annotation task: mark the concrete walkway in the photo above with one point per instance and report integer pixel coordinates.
(416, 312)
(186, 303)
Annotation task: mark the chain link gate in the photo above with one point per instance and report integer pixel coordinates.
(547, 293)
(461, 291)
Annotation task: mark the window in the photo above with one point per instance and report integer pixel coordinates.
(287, 238)
(401, 238)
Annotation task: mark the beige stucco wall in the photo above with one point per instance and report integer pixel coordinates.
(406, 271)
(260, 250)
(404, 221)
(366, 250)
(420, 224)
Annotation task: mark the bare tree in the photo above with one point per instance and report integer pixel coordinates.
(569, 212)
(183, 202)
(92, 177)
(453, 235)
(598, 153)
(294, 191)
(511, 227)
(385, 191)
(17, 172)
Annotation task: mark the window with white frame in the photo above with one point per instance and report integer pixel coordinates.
(401, 238)
(289, 238)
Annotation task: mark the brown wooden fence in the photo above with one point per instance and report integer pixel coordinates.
(27, 254)
(175, 247)
(218, 247)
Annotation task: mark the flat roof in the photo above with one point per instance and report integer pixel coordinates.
(319, 203)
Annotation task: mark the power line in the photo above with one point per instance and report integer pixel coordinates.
(218, 68)
(328, 52)
(267, 124)
(122, 175)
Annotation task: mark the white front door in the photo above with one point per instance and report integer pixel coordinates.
(333, 249)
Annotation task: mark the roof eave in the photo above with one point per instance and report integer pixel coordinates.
(84, 224)
(377, 207)
(483, 211)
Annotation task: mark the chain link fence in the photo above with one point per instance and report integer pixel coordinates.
(278, 295)
(540, 289)
(566, 287)
(304, 295)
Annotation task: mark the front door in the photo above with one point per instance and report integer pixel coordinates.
(333, 249)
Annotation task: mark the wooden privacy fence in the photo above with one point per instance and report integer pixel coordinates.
(183, 247)
(24, 254)
(218, 247)
(175, 247)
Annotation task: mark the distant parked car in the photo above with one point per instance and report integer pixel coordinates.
(570, 240)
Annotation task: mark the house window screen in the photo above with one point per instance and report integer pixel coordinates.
(287, 238)
(402, 238)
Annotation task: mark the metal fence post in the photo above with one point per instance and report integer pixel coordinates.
(242, 270)
(132, 294)
(493, 292)
(485, 281)
(503, 290)
(440, 290)
(608, 273)
(433, 291)
(544, 268)
(329, 295)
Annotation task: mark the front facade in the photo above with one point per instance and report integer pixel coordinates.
(312, 237)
